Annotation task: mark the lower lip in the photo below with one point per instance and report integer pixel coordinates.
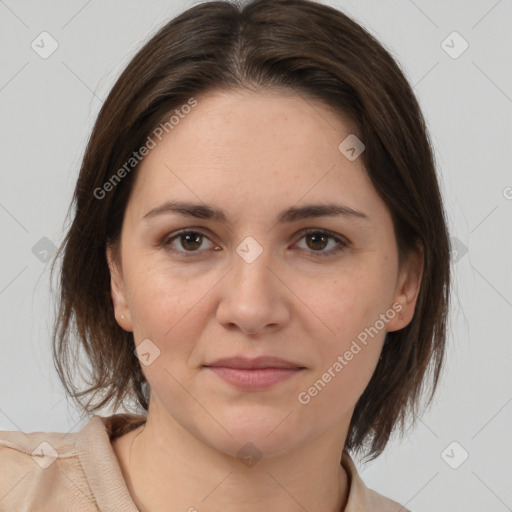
(254, 379)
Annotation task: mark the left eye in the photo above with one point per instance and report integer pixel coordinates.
(317, 240)
(321, 237)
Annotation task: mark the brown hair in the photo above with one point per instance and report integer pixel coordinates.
(290, 45)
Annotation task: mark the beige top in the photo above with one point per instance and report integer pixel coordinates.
(79, 471)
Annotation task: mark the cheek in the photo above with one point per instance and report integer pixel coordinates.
(334, 393)
(168, 309)
(353, 307)
(348, 358)
(167, 314)
(354, 300)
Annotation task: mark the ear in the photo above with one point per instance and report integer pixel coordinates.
(118, 291)
(407, 289)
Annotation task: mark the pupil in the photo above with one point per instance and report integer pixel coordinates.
(195, 236)
(323, 237)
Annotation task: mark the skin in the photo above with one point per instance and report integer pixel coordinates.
(253, 154)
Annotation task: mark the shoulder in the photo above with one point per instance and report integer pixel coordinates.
(384, 504)
(361, 498)
(61, 471)
(41, 469)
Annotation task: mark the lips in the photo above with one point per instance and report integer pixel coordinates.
(254, 374)
(254, 363)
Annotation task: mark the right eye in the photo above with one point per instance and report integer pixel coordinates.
(189, 240)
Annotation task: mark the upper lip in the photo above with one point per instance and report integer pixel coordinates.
(257, 362)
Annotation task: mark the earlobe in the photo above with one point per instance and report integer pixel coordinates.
(117, 292)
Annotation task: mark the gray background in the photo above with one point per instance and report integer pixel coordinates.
(48, 106)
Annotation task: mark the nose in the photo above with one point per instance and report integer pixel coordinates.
(254, 297)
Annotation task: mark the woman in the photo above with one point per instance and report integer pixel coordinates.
(258, 258)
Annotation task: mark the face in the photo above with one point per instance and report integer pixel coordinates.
(251, 284)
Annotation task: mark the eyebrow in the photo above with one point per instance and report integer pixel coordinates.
(292, 214)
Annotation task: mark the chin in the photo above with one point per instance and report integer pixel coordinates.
(253, 430)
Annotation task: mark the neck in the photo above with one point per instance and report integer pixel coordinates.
(161, 473)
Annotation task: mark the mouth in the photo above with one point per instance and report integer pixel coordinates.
(254, 374)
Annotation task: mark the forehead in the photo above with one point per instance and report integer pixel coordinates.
(259, 149)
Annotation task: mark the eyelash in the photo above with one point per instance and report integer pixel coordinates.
(342, 244)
